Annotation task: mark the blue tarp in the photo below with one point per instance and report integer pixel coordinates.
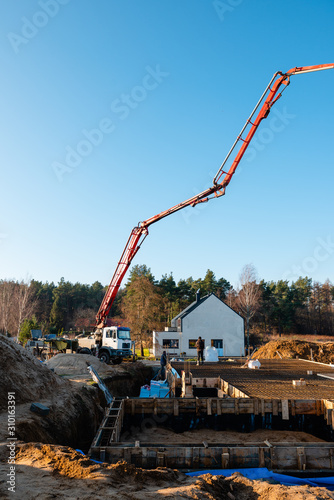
(264, 473)
(82, 453)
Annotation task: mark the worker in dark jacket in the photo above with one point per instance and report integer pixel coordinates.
(200, 347)
(163, 362)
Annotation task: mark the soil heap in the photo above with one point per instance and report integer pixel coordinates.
(23, 374)
(58, 472)
(74, 410)
(322, 352)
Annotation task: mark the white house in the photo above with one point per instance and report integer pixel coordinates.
(208, 317)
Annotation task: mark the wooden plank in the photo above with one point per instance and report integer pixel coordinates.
(285, 409)
(225, 458)
(176, 407)
(256, 407)
(273, 457)
(304, 407)
(196, 457)
(281, 457)
(301, 458)
(319, 458)
(161, 459)
(293, 408)
(275, 407)
(198, 406)
(209, 406)
(245, 406)
(261, 457)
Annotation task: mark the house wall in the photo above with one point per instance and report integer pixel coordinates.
(212, 319)
(159, 337)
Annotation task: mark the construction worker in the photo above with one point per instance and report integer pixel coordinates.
(200, 347)
(163, 362)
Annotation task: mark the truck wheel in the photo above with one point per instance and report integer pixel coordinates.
(104, 357)
(85, 350)
(117, 361)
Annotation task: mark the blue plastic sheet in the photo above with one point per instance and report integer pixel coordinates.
(84, 454)
(264, 473)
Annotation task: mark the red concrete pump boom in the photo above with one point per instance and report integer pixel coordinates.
(139, 233)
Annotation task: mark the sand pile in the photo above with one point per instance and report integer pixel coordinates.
(23, 374)
(47, 471)
(69, 364)
(156, 434)
(322, 352)
(74, 411)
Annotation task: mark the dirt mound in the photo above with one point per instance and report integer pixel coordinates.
(156, 434)
(58, 472)
(322, 352)
(76, 364)
(23, 374)
(74, 411)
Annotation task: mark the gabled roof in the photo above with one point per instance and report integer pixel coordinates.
(190, 308)
(194, 305)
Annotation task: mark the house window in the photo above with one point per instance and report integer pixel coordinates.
(217, 343)
(192, 343)
(170, 344)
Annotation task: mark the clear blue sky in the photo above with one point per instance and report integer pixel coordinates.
(170, 84)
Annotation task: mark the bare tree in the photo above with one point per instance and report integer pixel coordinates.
(249, 296)
(6, 306)
(25, 304)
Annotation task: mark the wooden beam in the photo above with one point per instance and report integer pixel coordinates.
(285, 409)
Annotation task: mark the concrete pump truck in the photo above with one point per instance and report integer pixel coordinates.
(115, 342)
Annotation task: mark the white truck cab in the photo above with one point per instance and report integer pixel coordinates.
(114, 343)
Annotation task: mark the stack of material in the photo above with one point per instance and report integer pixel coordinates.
(156, 389)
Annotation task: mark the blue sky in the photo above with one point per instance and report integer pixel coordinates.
(169, 84)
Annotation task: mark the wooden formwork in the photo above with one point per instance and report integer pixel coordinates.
(248, 394)
(282, 456)
(220, 406)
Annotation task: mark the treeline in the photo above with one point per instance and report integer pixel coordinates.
(144, 304)
(67, 306)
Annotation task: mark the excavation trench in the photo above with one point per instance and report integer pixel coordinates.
(196, 440)
(211, 428)
(74, 404)
(77, 407)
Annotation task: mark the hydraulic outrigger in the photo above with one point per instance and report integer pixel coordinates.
(139, 233)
